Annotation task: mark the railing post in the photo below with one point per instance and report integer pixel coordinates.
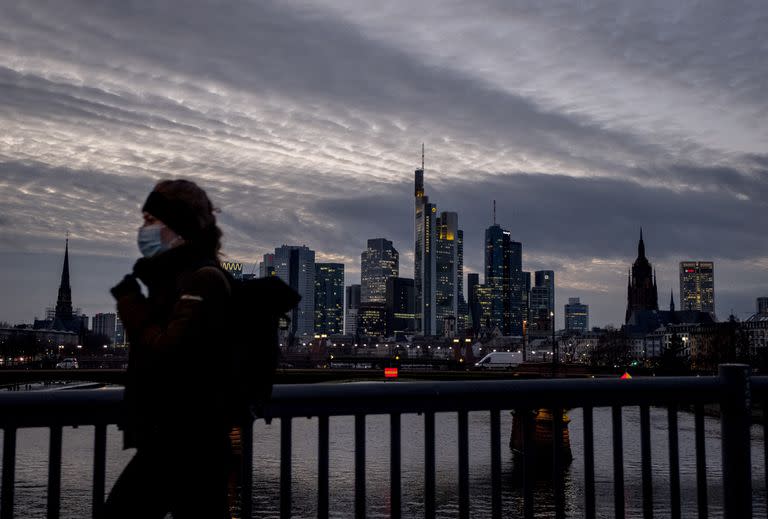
(54, 472)
(99, 469)
(9, 472)
(735, 410)
(246, 468)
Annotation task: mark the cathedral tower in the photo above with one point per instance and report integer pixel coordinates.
(641, 289)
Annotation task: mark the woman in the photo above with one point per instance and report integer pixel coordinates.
(177, 415)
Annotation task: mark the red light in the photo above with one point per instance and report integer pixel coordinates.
(390, 372)
(690, 271)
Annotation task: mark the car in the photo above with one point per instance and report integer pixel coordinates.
(68, 363)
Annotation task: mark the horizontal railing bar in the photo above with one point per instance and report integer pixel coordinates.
(64, 408)
(298, 376)
(91, 407)
(414, 397)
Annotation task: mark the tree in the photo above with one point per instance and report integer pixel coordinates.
(612, 349)
(722, 343)
(673, 357)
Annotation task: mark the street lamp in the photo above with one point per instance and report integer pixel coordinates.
(525, 345)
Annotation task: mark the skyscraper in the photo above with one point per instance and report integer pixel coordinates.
(400, 310)
(546, 278)
(642, 293)
(473, 280)
(119, 332)
(504, 277)
(541, 301)
(329, 298)
(267, 266)
(576, 316)
(295, 265)
(438, 264)
(697, 286)
(540, 320)
(526, 296)
(351, 309)
(104, 324)
(449, 268)
(484, 302)
(379, 262)
(372, 319)
(424, 257)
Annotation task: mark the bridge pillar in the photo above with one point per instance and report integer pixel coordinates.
(544, 425)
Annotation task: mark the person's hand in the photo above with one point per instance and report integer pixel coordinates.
(142, 269)
(127, 286)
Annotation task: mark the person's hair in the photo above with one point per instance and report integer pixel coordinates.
(207, 239)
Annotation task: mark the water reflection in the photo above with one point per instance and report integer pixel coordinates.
(266, 469)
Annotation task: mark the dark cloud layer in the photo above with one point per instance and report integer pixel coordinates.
(303, 119)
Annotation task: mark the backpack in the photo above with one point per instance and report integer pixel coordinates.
(258, 306)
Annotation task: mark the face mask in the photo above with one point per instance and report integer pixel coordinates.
(149, 240)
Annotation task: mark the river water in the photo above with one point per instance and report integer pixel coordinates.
(32, 465)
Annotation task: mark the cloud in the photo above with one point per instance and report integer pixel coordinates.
(303, 121)
(685, 72)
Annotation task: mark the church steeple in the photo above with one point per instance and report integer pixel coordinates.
(642, 294)
(64, 300)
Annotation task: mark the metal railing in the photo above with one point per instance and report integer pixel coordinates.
(733, 389)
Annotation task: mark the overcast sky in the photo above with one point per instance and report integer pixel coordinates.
(304, 120)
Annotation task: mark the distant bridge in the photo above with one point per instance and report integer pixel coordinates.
(15, 377)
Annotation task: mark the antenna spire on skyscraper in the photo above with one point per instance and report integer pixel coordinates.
(422, 156)
(494, 212)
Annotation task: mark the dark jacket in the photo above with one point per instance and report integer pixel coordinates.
(179, 358)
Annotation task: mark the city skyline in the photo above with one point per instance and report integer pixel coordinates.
(583, 134)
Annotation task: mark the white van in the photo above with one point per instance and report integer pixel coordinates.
(500, 360)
